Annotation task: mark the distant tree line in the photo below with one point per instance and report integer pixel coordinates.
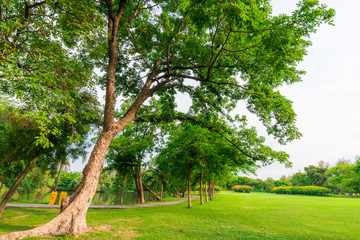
(343, 178)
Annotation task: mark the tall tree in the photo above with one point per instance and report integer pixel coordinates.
(316, 175)
(159, 48)
(300, 179)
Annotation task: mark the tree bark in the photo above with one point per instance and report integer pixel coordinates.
(210, 190)
(189, 186)
(201, 187)
(161, 189)
(213, 189)
(58, 178)
(139, 185)
(73, 209)
(206, 192)
(12, 190)
(122, 189)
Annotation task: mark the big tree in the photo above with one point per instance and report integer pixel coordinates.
(217, 52)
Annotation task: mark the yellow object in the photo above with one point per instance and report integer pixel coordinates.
(62, 195)
(53, 196)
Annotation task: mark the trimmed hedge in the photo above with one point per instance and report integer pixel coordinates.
(242, 188)
(307, 190)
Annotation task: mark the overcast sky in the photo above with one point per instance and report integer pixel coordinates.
(327, 99)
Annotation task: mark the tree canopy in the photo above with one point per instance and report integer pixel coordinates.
(219, 53)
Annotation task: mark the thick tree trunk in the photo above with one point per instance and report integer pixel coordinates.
(12, 190)
(189, 186)
(210, 190)
(139, 185)
(122, 189)
(206, 192)
(58, 178)
(73, 209)
(153, 193)
(201, 187)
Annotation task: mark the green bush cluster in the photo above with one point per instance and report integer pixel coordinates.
(307, 190)
(242, 188)
(217, 189)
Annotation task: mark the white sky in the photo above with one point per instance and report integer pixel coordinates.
(326, 101)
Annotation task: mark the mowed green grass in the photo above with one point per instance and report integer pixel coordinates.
(229, 216)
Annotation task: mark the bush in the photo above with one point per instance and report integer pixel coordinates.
(217, 189)
(242, 188)
(307, 190)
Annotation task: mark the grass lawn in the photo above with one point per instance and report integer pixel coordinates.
(230, 216)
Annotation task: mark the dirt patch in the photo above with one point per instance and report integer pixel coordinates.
(103, 228)
(22, 216)
(129, 219)
(128, 234)
(99, 228)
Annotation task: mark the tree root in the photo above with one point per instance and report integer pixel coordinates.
(70, 221)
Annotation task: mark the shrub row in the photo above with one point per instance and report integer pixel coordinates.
(307, 190)
(242, 188)
(217, 188)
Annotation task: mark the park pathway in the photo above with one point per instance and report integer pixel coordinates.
(24, 205)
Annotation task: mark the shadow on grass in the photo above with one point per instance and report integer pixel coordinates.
(14, 228)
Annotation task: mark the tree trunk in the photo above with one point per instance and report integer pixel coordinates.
(210, 191)
(122, 189)
(73, 208)
(58, 178)
(149, 190)
(189, 186)
(206, 192)
(161, 188)
(12, 190)
(139, 185)
(213, 189)
(201, 187)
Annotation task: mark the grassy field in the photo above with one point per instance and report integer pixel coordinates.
(229, 216)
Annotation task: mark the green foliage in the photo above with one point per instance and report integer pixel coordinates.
(43, 68)
(107, 181)
(243, 188)
(316, 175)
(69, 180)
(258, 185)
(217, 189)
(279, 183)
(344, 177)
(300, 179)
(306, 190)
